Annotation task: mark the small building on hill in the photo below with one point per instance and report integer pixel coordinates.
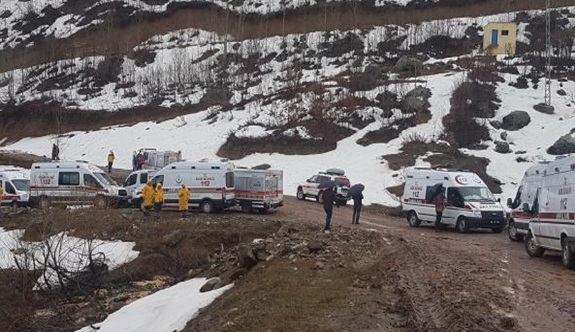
(500, 38)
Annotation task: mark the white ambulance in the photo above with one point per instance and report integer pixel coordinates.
(134, 184)
(210, 181)
(552, 213)
(470, 203)
(519, 219)
(16, 187)
(73, 183)
(258, 190)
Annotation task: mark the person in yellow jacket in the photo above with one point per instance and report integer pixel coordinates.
(111, 159)
(148, 197)
(184, 196)
(158, 199)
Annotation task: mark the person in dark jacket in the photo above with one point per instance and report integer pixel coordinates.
(440, 203)
(328, 201)
(55, 152)
(356, 208)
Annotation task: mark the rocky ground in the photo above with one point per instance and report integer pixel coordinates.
(378, 276)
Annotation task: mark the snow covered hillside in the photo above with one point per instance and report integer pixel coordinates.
(308, 102)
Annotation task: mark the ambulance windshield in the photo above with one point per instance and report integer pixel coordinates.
(482, 194)
(105, 179)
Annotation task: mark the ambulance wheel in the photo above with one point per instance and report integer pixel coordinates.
(567, 255)
(246, 208)
(462, 225)
(207, 206)
(412, 219)
(497, 230)
(300, 194)
(512, 233)
(532, 248)
(44, 203)
(100, 202)
(14, 205)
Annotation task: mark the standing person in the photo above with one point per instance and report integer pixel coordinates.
(328, 200)
(111, 159)
(148, 196)
(183, 199)
(55, 152)
(134, 161)
(158, 199)
(141, 160)
(356, 207)
(439, 201)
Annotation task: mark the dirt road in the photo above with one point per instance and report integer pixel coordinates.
(541, 293)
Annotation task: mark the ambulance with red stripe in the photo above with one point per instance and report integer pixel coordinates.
(551, 214)
(526, 193)
(16, 187)
(470, 203)
(73, 183)
(259, 190)
(210, 181)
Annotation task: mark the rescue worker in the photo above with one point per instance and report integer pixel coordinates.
(158, 199)
(183, 198)
(148, 196)
(111, 159)
(440, 203)
(141, 160)
(328, 201)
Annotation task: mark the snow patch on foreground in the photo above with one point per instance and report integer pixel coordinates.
(164, 311)
(71, 253)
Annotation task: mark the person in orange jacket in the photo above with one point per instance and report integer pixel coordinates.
(111, 159)
(158, 199)
(184, 197)
(148, 196)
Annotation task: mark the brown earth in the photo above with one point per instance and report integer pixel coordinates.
(381, 275)
(122, 39)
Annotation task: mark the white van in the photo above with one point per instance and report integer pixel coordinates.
(134, 184)
(470, 204)
(259, 190)
(16, 187)
(552, 213)
(519, 219)
(211, 183)
(73, 183)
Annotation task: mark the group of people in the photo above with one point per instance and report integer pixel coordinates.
(138, 160)
(329, 200)
(153, 198)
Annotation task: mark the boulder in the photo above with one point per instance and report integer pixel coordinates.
(211, 285)
(502, 147)
(561, 92)
(314, 246)
(564, 145)
(547, 109)
(406, 63)
(416, 100)
(515, 120)
(247, 257)
(172, 239)
(503, 135)
(496, 124)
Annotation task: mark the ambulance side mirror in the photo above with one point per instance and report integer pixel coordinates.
(509, 202)
(526, 207)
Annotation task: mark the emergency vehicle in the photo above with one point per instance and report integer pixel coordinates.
(470, 203)
(16, 187)
(134, 184)
(211, 183)
(313, 186)
(73, 183)
(258, 190)
(551, 214)
(155, 159)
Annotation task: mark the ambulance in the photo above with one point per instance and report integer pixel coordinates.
(551, 213)
(73, 183)
(258, 190)
(470, 203)
(16, 187)
(211, 183)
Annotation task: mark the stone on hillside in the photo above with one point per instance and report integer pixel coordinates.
(547, 109)
(503, 135)
(561, 92)
(172, 239)
(502, 147)
(416, 100)
(564, 145)
(406, 63)
(314, 246)
(496, 124)
(246, 257)
(516, 120)
(211, 285)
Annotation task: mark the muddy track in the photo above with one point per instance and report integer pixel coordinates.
(121, 40)
(456, 281)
